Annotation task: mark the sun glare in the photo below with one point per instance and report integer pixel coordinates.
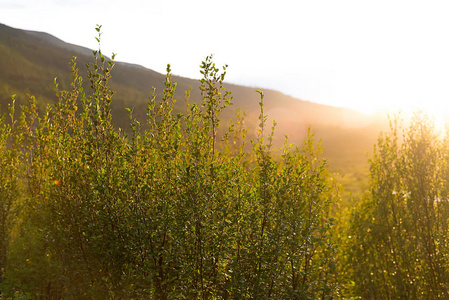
(440, 120)
(437, 113)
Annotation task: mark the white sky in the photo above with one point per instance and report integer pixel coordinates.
(366, 55)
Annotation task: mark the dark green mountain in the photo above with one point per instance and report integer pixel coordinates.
(29, 62)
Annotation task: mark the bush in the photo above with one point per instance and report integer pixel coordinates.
(399, 234)
(179, 210)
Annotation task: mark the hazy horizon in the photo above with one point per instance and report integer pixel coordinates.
(366, 57)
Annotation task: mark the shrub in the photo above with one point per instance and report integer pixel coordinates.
(178, 210)
(399, 234)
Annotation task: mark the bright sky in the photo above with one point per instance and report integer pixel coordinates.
(366, 55)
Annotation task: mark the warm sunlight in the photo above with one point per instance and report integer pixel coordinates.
(368, 56)
(437, 112)
(131, 179)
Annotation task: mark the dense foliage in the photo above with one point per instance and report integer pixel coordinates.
(185, 206)
(31, 60)
(398, 236)
(179, 210)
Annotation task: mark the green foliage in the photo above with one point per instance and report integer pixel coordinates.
(398, 236)
(187, 204)
(175, 209)
(31, 60)
(11, 168)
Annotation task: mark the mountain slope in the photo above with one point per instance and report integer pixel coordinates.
(31, 60)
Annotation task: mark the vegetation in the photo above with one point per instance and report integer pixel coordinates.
(346, 135)
(187, 204)
(399, 234)
(178, 210)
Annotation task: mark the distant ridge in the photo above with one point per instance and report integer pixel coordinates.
(59, 43)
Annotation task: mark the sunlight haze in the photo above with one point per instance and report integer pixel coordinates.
(368, 56)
